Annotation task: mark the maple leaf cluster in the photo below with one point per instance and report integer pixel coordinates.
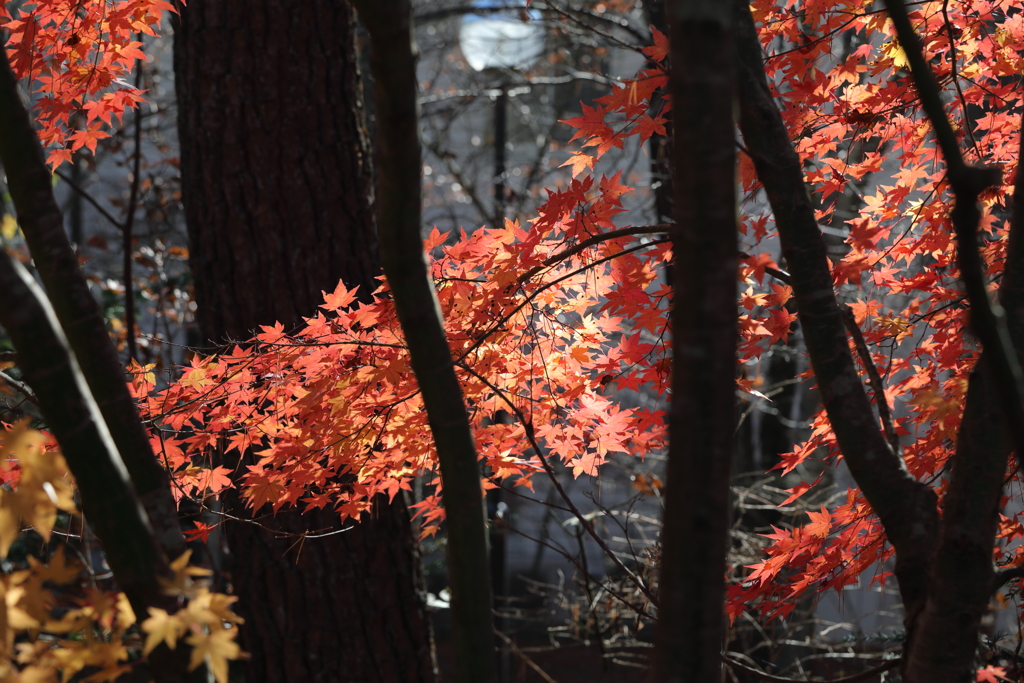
(858, 128)
(622, 113)
(546, 323)
(549, 322)
(57, 621)
(73, 57)
(332, 414)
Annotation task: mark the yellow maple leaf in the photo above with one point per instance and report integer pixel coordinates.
(125, 614)
(894, 51)
(215, 648)
(213, 609)
(58, 570)
(196, 379)
(162, 627)
(181, 582)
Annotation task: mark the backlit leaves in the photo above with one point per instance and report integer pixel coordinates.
(73, 57)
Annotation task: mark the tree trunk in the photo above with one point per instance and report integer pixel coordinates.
(906, 506)
(109, 497)
(278, 192)
(694, 538)
(276, 174)
(398, 155)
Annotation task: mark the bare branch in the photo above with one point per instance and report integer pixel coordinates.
(856, 678)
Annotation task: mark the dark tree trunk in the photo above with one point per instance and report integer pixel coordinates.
(276, 172)
(398, 156)
(702, 417)
(278, 191)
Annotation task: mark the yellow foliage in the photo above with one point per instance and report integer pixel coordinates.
(91, 629)
(204, 619)
(45, 486)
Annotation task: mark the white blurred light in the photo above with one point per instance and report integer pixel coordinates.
(501, 39)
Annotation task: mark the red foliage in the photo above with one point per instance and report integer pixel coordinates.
(72, 56)
(548, 320)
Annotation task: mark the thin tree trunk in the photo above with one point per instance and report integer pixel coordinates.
(109, 501)
(79, 314)
(906, 507)
(694, 537)
(660, 145)
(278, 192)
(398, 158)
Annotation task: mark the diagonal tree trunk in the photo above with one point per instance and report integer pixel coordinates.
(134, 546)
(398, 156)
(278, 191)
(906, 506)
(79, 314)
(944, 568)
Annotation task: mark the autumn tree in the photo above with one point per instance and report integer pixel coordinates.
(546, 320)
(122, 488)
(278, 187)
(943, 566)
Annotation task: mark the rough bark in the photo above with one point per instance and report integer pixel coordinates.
(79, 314)
(702, 418)
(339, 608)
(906, 507)
(278, 192)
(398, 159)
(276, 179)
(109, 501)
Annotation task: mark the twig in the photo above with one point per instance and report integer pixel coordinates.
(877, 387)
(591, 241)
(862, 676)
(129, 223)
(955, 78)
(523, 656)
(584, 522)
(1004, 576)
(89, 198)
(547, 285)
(21, 387)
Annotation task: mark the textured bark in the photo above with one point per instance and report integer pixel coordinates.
(278, 192)
(906, 507)
(398, 159)
(702, 419)
(277, 182)
(960, 580)
(340, 608)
